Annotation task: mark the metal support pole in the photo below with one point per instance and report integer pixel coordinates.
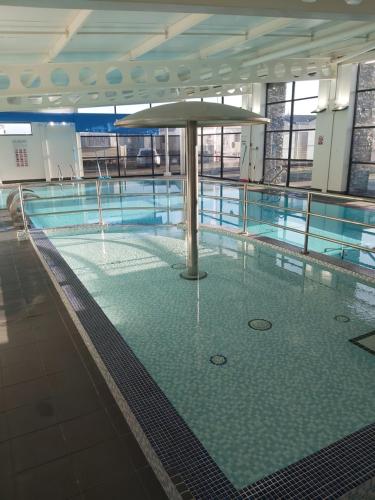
(244, 210)
(192, 272)
(98, 194)
(307, 227)
(22, 208)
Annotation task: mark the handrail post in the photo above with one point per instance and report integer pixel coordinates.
(244, 210)
(307, 225)
(22, 208)
(98, 194)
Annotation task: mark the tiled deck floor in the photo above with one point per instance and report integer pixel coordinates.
(61, 433)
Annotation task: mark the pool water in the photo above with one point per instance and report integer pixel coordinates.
(160, 201)
(281, 393)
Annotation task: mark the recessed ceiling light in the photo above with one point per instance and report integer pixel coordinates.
(353, 2)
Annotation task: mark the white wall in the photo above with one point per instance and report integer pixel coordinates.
(47, 147)
(252, 138)
(334, 131)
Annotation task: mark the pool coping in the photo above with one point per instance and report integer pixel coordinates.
(180, 461)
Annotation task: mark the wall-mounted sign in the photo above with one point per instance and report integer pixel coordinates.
(21, 153)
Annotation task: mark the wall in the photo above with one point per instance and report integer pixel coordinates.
(334, 130)
(47, 146)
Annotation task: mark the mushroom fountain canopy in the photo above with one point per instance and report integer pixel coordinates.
(204, 114)
(191, 115)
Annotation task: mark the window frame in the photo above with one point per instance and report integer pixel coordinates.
(354, 128)
(290, 130)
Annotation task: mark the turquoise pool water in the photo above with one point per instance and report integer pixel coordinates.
(160, 201)
(283, 393)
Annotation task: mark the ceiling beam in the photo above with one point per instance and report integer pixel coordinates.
(171, 31)
(327, 9)
(317, 41)
(69, 32)
(252, 33)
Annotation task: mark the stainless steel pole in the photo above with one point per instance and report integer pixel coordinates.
(192, 272)
(244, 210)
(20, 191)
(98, 194)
(307, 226)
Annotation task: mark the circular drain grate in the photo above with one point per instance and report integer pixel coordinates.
(218, 359)
(260, 324)
(342, 318)
(179, 265)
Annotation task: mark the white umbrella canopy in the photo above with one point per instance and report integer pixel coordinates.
(177, 115)
(191, 115)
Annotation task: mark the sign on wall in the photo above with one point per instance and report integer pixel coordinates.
(21, 153)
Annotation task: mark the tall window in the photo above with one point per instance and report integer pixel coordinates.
(220, 147)
(290, 137)
(362, 168)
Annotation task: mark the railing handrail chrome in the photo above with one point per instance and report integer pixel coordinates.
(243, 214)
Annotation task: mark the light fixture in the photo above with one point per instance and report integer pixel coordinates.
(319, 110)
(341, 107)
(349, 2)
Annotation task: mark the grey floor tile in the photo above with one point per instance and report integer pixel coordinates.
(6, 462)
(118, 420)
(52, 481)
(26, 393)
(87, 431)
(18, 354)
(4, 430)
(15, 335)
(8, 488)
(106, 461)
(74, 379)
(152, 486)
(134, 451)
(37, 448)
(30, 418)
(76, 403)
(22, 372)
(128, 488)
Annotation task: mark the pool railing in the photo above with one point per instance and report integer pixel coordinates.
(242, 193)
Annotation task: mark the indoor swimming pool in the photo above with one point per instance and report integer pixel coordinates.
(273, 214)
(254, 366)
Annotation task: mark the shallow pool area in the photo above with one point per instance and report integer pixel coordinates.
(258, 395)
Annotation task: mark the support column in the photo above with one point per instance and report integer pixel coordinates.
(192, 272)
(252, 137)
(334, 131)
(166, 150)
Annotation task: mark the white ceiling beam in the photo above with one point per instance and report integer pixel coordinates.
(327, 9)
(69, 32)
(171, 31)
(252, 33)
(316, 42)
(357, 52)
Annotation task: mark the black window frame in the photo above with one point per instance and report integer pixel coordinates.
(289, 160)
(354, 128)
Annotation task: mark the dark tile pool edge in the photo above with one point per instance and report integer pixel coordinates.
(168, 443)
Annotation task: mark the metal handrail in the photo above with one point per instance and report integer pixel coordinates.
(244, 189)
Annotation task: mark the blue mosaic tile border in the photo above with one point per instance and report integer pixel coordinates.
(331, 472)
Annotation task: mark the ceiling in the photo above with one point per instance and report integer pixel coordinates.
(53, 57)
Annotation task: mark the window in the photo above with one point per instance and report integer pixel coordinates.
(220, 147)
(98, 110)
(362, 167)
(15, 129)
(290, 137)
